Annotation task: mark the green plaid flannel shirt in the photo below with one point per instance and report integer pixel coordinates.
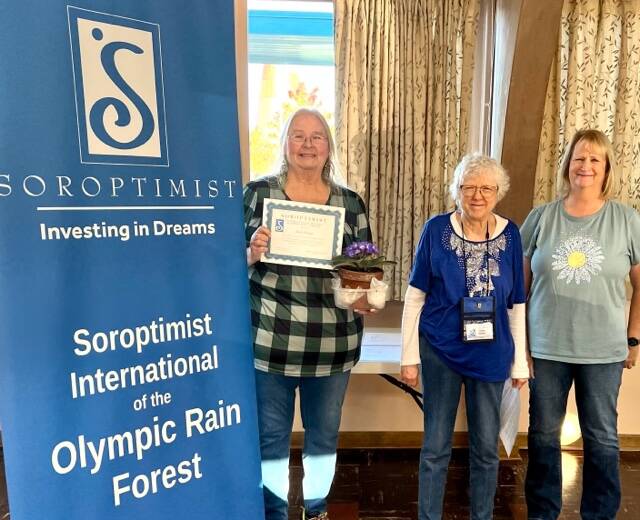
(297, 329)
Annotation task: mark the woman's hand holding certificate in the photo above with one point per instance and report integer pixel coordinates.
(302, 234)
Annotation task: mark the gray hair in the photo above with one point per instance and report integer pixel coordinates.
(330, 171)
(474, 164)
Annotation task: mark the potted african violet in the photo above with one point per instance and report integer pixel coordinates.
(359, 263)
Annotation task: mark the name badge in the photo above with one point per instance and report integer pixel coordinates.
(478, 318)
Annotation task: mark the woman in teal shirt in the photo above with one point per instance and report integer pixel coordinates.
(578, 251)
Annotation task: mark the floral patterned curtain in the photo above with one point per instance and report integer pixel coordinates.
(595, 82)
(404, 70)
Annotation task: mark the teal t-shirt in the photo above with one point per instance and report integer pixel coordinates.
(576, 308)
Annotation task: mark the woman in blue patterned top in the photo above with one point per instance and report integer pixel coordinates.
(578, 251)
(301, 339)
(464, 320)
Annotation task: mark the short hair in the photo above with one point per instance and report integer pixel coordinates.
(598, 138)
(473, 164)
(330, 170)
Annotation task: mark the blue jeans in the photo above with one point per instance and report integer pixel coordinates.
(596, 392)
(321, 401)
(441, 388)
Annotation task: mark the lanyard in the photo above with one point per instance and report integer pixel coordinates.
(464, 254)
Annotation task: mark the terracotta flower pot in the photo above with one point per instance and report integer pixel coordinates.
(359, 280)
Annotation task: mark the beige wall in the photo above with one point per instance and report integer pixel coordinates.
(374, 405)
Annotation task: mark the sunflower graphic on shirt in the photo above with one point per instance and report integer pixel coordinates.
(578, 258)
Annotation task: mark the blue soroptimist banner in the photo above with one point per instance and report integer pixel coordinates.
(126, 372)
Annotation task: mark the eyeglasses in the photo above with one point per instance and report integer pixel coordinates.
(485, 191)
(316, 139)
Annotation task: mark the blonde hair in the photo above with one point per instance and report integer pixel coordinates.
(595, 137)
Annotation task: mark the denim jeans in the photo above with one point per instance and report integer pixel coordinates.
(441, 388)
(596, 389)
(321, 401)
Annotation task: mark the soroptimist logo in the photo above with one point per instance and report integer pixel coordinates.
(117, 68)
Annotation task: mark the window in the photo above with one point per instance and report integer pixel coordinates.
(291, 65)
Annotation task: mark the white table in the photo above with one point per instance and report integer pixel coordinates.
(380, 352)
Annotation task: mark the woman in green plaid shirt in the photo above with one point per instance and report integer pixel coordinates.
(301, 339)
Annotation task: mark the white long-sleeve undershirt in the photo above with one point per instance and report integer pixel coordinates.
(414, 301)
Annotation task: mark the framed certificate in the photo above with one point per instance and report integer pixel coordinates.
(302, 234)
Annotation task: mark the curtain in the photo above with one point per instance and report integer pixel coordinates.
(595, 82)
(404, 71)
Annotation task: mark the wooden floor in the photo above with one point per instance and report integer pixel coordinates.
(382, 484)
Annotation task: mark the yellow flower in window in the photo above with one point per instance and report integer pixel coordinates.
(578, 259)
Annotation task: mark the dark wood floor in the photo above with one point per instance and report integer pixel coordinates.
(382, 484)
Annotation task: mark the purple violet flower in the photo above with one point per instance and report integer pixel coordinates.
(361, 256)
(360, 249)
